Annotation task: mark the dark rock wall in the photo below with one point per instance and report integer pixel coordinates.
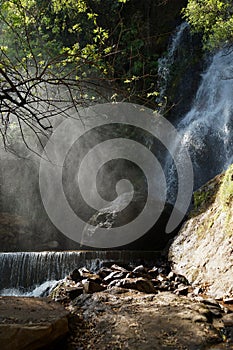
(160, 17)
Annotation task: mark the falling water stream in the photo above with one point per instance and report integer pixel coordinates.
(207, 129)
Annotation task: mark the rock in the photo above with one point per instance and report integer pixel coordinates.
(66, 290)
(202, 251)
(91, 287)
(161, 278)
(215, 311)
(115, 290)
(171, 276)
(164, 286)
(228, 300)
(75, 275)
(95, 278)
(140, 269)
(182, 290)
(31, 323)
(211, 302)
(197, 290)
(199, 318)
(181, 279)
(153, 272)
(114, 275)
(74, 292)
(140, 284)
(104, 272)
(84, 272)
(118, 268)
(228, 320)
(121, 212)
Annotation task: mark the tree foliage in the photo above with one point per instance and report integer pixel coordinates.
(51, 54)
(58, 54)
(213, 19)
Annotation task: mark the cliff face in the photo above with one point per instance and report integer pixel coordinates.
(160, 17)
(203, 250)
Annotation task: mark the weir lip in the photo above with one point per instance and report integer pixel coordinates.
(25, 270)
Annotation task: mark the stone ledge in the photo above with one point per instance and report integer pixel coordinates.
(31, 323)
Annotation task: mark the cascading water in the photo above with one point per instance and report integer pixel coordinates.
(207, 129)
(165, 63)
(33, 273)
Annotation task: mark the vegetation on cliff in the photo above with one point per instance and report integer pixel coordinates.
(214, 19)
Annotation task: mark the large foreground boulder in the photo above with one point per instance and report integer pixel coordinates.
(31, 323)
(203, 250)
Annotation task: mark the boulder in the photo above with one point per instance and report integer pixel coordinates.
(140, 284)
(31, 323)
(91, 287)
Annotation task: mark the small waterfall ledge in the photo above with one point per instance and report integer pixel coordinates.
(24, 271)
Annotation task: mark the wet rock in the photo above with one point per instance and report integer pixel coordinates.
(75, 275)
(81, 300)
(114, 275)
(66, 290)
(84, 272)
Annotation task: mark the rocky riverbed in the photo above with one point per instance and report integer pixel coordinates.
(141, 308)
(118, 307)
(187, 305)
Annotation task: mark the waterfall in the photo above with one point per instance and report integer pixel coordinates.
(207, 129)
(24, 271)
(165, 63)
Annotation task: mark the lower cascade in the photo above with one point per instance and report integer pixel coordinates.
(33, 273)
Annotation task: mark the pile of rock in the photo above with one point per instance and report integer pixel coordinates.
(143, 307)
(143, 279)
